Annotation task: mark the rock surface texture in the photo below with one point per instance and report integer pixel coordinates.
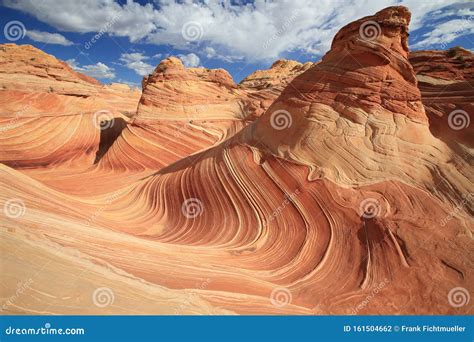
(446, 82)
(306, 189)
(49, 113)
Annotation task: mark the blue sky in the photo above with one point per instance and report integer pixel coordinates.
(131, 37)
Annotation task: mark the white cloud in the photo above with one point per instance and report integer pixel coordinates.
(98, 70)
(72, 63)
(268, 30)
(190, 60)
(264, 30)
(445, 33)
(130, 84)
(129, 20)
(435, 10)
(49, 38)
(135, 62)
(210, 52)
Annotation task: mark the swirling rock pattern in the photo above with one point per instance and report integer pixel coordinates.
(182, 111)
(343, 202)
(446, 79)
(185, 110)
(47, 109)
(264, 86)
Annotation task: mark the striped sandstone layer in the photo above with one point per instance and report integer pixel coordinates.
(338, 199)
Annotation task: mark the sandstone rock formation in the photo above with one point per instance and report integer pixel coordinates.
(64, 108)
(181, 111)
(264, 86)
(338, 199)
(446, 80)
(185, 110)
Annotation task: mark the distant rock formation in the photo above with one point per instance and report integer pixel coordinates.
(446, 82)
(65, 109)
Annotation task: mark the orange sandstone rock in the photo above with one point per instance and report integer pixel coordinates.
(50, 114)
(337, 193)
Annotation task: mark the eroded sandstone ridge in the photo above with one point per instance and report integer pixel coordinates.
(307, 189)
(186, 110)
(446, 82)
(181, 111)
(41, 94)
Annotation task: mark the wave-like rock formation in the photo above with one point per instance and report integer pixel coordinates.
(264, 86)
(51, 114)
(181, 111)
(338, 199)
(186, 110)
(446, 82)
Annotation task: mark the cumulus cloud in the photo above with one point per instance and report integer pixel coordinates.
(98, 70)
(49, 38)
(130, 84)
(135, 62)
(190, 60)
(72, 63)
(210, 52)
(445, 33)
(129, 20)
(263, 30)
